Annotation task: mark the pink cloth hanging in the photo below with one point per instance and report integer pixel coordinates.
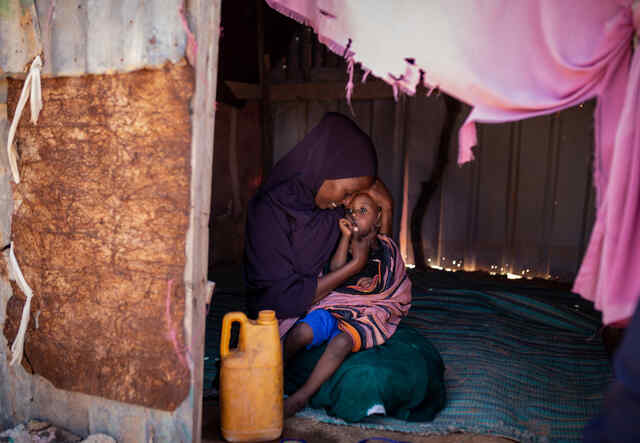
(510, 61)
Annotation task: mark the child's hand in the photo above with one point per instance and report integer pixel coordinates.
(360, 246)
(345, 227)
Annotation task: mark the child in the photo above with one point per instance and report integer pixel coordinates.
(364, 312)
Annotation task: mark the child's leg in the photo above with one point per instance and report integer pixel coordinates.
(300, 336)
(337, 350)
(314, 329)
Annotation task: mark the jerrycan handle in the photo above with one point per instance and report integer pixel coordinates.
(227, 321)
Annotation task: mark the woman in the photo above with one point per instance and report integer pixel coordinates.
(292, 222)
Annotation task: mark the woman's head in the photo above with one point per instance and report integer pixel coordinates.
(340, 191)
(335, 150)
(334, 161)
(348, 162)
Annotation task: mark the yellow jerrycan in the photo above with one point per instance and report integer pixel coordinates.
(251, 380)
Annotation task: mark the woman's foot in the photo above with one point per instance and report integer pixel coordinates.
(293, 404)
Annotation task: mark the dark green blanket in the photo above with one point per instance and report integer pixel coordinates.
(405, 376)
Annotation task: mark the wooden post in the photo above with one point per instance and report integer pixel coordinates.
(508, 255)
(550, 191)
(4, 132)
(294, 68)
(307, 53)
(206, 14)
(397, 175)
(404, 215)
(470, 258)
(236, 210)
(264, 67)
(3, 98)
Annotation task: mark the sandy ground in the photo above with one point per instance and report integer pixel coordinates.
(313, 431)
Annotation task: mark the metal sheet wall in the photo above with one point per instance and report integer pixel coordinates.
(525, 203)
(90, 36)
(19, 34)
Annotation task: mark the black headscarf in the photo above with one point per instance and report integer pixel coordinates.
(288, 238)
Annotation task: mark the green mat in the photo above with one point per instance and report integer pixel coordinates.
(403, 377)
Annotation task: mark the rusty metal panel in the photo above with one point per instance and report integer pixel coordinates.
(99, 230)
(19, 35)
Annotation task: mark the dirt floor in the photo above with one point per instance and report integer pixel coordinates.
(312, 431)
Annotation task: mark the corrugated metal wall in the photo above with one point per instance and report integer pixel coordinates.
(19, 35)
(80, 37)
(524, 205)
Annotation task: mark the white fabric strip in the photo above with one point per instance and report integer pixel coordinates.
(16, 274)
(34, 89)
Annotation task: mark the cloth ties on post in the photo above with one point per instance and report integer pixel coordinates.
(32, 88)
(18, 343)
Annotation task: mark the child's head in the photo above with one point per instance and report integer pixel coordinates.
(364, 214)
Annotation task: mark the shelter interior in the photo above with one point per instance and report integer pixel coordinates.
(517, 218)
(491, 247)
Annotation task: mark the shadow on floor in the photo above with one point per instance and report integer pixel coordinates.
(311, 431)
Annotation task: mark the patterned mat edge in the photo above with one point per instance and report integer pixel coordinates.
(382, 423)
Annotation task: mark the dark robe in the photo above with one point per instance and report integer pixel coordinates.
(619, 421)
(288, 238)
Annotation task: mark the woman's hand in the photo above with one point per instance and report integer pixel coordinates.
(381, 195)
(379, 192)
(346, 227)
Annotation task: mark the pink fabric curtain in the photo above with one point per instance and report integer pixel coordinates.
(514, 60)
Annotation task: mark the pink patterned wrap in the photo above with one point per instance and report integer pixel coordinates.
(370, 318)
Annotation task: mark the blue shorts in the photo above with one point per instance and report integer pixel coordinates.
(324, 326)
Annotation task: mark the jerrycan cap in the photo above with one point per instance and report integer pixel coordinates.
(266, 317)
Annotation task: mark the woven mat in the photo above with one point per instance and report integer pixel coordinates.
(522, 363)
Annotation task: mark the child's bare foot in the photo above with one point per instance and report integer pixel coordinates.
(293, 404)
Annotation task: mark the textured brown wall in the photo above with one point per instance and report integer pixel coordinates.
(99, 229)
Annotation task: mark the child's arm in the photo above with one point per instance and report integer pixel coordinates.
(360, 247)
(340, 256)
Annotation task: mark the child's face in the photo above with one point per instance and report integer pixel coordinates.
(363, 213)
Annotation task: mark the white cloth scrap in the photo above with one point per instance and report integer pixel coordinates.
(33, 89)
(17, 347)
